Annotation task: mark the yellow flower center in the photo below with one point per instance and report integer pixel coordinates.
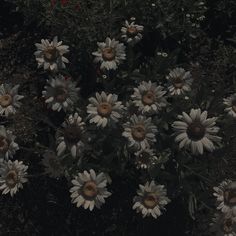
(5, 100)
(11, 178)
(138, 132)
(148, 98)
(51, 54)
(150, 200)
(90, 190)
(132, 31)
(3, 144)
(104, 109)
(108, 54)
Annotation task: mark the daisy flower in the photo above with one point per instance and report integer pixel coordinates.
(180, 81)
(49, 55)
(196, 131)
(151, 199)
(60, 93)
(104, 109)
(149, 98)
(230, 104)
(89, 189)
(140, 132)
(12, 176)
(110, 54)
(70, 137)
(7, 145)
(131, 33)
(9, 99)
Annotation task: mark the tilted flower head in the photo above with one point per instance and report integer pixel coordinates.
(104, 109)
(52, 164)
(12, 176)
(149, 98)
(9, 99)
(89, 189)
(230, 103)
(140, 132)
(60, 93)
(70, 137)
(49, 55)
(7, 145)
(151, 199)
(225, 195)
(131, 32)
(222, 225)
(196, 131)
(180, 81)
(110, 54)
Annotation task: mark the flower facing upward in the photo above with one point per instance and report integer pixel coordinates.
(131, 33)
(180, 81)
(12, 176)
(230, 104)
(49, 55)
(110, 54)
(151, 199)
(9, 99)
(104, 109)
(148, 97)
(60, 93)
(89, 189)
(196, 131)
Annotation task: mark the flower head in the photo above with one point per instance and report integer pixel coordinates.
(180, 81)
(89, 189)
(9, 99)
(49, 55)
(110, 54)
(151, 199)
(230, 104)
(60, 93)
(12, 176)
(104, 109)
(196, 131)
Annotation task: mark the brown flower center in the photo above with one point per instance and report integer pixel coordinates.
(5, 100)
(234, 105)
(196, 131)
(108, 54)
(4, 145)
(132, 31)
(104, 109)
(11, 178)
(227, 225)
(51, 54)
(60, 94)
(230, 197)
(150, 200)
(143, 158)
(90, 190)
(178, 83)
(72, 134)
(148, 98)
(138, 132)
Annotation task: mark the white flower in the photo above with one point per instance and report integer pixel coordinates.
(230, 103)
(104, 109)
(49, 55)
(60, 94)
(131, 32)
(140, 132)
(149, 98)
(151, 199)
(12, 176)
(180, 81)
(196, 131)
(110, 54)
(52, 164)
(89, 189)
(7, 145)
(225, 195)
(70, 137)
(223, 226)
(9, 99)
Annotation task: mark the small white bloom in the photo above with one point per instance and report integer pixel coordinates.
(104, 109)
(60, 93)
(196, 131)
(180, 81)
(9, 99)
(230, 103)
(149, 98)
(140, 132)
(12, 176)
(151, 199)
(110, 54)
(49, 55)
(89, 189)
(131, 32)
(69, 138)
